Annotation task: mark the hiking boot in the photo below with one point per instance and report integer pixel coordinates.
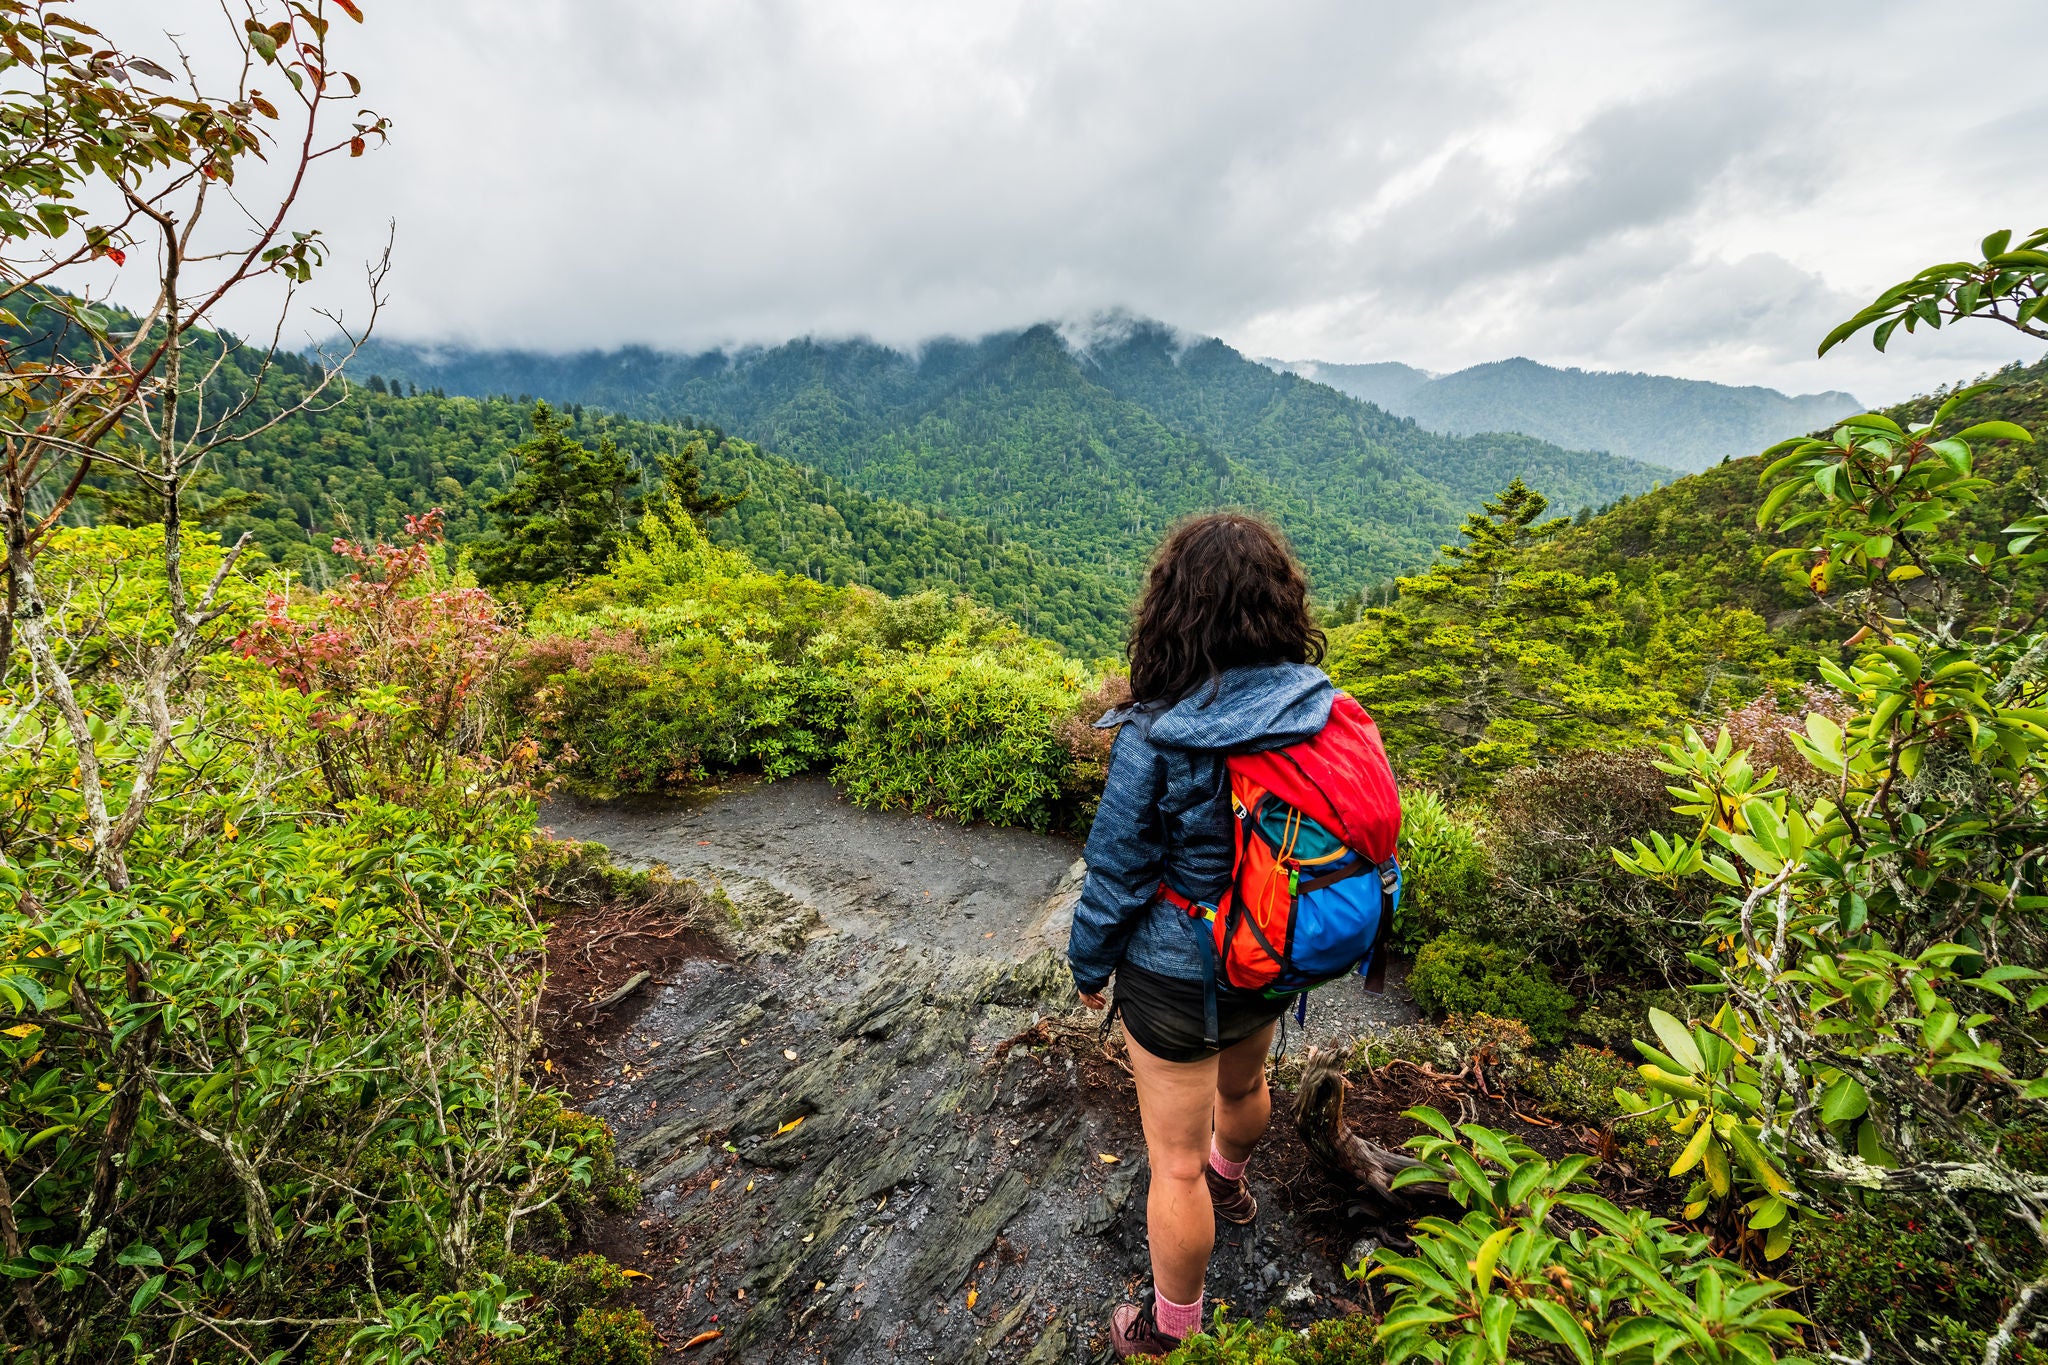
(1134, 1332)
(1232, 1198)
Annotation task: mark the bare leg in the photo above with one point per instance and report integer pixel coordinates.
(1177, 1104)
(1243, 1103)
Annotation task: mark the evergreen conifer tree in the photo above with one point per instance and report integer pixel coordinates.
(684, 473)
(565, 511)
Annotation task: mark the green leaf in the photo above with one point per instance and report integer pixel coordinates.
(1432, 1120)
(1849, 329)
(1845, 1099)
(1874, 421)
(1759, 1164)
(1719, 1178)
(1677, 1041)
(1997, 242)
(1566, 1327)
(1414, 1315)
(1871, 1148)
(1778, 1240)
(52, 1131)
(1489, 1252)
(1633, 1335)
(1996, 431)
(1660, 1079)
(145, 1294)
(1497, 1320)
(1694, 1150)
(1776, 502)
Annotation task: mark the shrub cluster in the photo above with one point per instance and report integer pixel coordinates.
(1456, 975)
(1911, 1270)
(298, 1024)
(685, 661)
(1530, 869)
(1446, 875)
(1551, 831)
(1330, 1341)
(573, 1315)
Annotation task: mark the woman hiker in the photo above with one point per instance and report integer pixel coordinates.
(1223, 654)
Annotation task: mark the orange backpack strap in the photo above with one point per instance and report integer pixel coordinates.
(1182, 903)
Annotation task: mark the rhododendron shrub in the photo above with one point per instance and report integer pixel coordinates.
(396, 664)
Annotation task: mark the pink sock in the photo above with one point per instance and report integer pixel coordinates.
(1176, 1319)
(1229, 1170)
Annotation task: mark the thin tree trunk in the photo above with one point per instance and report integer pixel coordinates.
(10, 1240)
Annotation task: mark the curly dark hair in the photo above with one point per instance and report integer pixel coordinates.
(1224, 590)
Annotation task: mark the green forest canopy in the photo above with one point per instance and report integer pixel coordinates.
(1085, 451)
(359, 468)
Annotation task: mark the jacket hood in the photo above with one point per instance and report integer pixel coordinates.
(1263, 706)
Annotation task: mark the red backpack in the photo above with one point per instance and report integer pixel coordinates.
(1315, 883)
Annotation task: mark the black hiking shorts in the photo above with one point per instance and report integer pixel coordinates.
(1165, 1013)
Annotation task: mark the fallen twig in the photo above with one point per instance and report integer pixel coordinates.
(1038, 1035)
(633, 983)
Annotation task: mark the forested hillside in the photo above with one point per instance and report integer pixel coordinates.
(1697, 541)
(1082, 449)
(358, 467)
(1677, 423)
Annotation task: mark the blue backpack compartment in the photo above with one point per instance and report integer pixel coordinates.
(1335, 926)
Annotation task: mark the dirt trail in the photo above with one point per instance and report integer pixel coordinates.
(879, 1131)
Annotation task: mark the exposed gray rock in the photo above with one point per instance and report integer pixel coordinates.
(933, 1139)
(1108, 1208)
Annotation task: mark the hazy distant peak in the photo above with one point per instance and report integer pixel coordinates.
(1385, 383)
(1523, 367)
(1658, 419)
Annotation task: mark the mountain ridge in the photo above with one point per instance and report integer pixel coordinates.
(1687, 424)
(1082, 450)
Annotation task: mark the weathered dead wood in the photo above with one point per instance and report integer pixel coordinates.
(1319, 1114)
(633, 983)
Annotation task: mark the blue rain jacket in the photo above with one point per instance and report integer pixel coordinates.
(1165, 815)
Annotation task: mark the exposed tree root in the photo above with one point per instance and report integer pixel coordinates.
(1319, 1114)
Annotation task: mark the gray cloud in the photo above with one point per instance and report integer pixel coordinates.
(1668, 188)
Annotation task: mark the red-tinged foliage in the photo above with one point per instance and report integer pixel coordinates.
(550, 655)
(397, 659)
(1765, 728)
(390, 623)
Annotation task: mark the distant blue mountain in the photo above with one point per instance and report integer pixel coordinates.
(1677, 423)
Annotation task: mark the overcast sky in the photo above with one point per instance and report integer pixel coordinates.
(1698, 190)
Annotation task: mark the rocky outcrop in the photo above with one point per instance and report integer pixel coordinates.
(879, 1129)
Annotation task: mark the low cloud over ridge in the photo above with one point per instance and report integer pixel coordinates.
(1615, 186)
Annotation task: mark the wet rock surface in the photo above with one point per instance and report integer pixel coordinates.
(879, 1129)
